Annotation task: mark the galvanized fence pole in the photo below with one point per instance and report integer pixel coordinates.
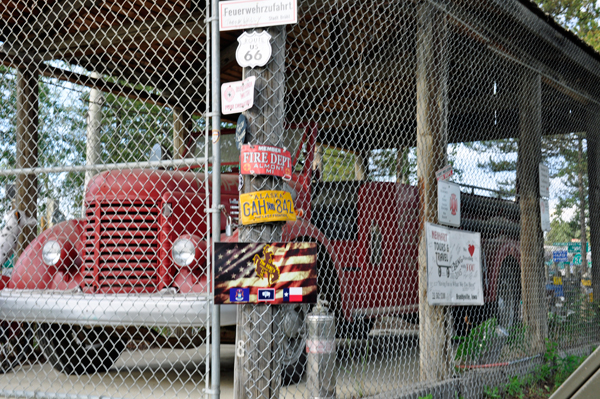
(215, 55)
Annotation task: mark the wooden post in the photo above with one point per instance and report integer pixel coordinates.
(402, 165)
(361, 166)
(94, 123)
(432, 142)
(593, 149)
(27, 149)
(528, 188)
(582, 225)
(182, 127)
(258, 373)
(317, 164)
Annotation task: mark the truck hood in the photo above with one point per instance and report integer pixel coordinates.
(133, 184)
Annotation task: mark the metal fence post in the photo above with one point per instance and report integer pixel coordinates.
(216, 188)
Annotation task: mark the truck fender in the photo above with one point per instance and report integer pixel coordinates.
(30, 271)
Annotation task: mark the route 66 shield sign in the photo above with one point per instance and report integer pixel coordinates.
(254, 49)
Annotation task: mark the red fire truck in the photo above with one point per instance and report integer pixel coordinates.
(92, 284)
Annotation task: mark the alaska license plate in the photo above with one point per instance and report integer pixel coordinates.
(266, 206)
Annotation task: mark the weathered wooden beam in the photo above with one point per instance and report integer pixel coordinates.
(87, 81)
(182, 128)
(432, 141)
(27, 150)
(258, 373)
(533, 288)
(593, 157)
(181, 26)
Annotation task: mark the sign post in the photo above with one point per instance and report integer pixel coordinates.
(257, 332)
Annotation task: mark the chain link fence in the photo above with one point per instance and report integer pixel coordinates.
(444, 285)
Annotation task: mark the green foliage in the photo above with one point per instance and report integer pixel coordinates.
(428, 396)
(477, 342)
(492, 392)
(338, 165)
(580, 16)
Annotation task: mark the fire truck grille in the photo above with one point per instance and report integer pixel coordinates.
(121, 252)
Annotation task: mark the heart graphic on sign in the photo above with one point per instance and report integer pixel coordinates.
(471, 249)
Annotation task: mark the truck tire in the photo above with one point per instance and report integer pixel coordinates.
(79, 350)
(15, 344)
(508, 294)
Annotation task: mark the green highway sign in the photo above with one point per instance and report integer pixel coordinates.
(577, 259)
(575, 247)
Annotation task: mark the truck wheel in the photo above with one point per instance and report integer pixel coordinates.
(15, 344)
(78, 349)
(293, 360)
(508, 297)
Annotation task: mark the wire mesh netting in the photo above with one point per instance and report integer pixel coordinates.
(443, 161)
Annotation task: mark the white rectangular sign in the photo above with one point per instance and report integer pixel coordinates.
(445, 173)
(544, 181)
(237, 96)
(454, 275)
(448, 203)
(545, 214)
(246, 14)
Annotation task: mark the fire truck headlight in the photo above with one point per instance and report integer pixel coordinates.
(51, 252)
(184, 252)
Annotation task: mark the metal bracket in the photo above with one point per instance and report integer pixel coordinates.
(219, 208)
(212, 391)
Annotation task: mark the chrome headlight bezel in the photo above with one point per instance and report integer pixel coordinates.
(51, 252)
(183, 252)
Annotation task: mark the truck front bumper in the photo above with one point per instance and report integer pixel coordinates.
(161, 309)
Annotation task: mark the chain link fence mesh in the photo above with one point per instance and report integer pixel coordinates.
(104, 180)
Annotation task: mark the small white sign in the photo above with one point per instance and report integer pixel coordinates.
(448, 203)
(245, 14)
(444, 173)
(237, 96)
(544, 181)
(454, 275)
(545, 213)
(254, 49)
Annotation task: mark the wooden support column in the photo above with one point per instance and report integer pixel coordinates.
(361, 165)
(27, 149)
(182, 127)
(432, 142)
(533, 289)
(94, 124)
(317, 164)
(258, 373)
(593, 149)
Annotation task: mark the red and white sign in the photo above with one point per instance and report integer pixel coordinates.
(237, 96)
(265, 160)
(245, 14)
(448, 203)
(445, 173)
(292, 294)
